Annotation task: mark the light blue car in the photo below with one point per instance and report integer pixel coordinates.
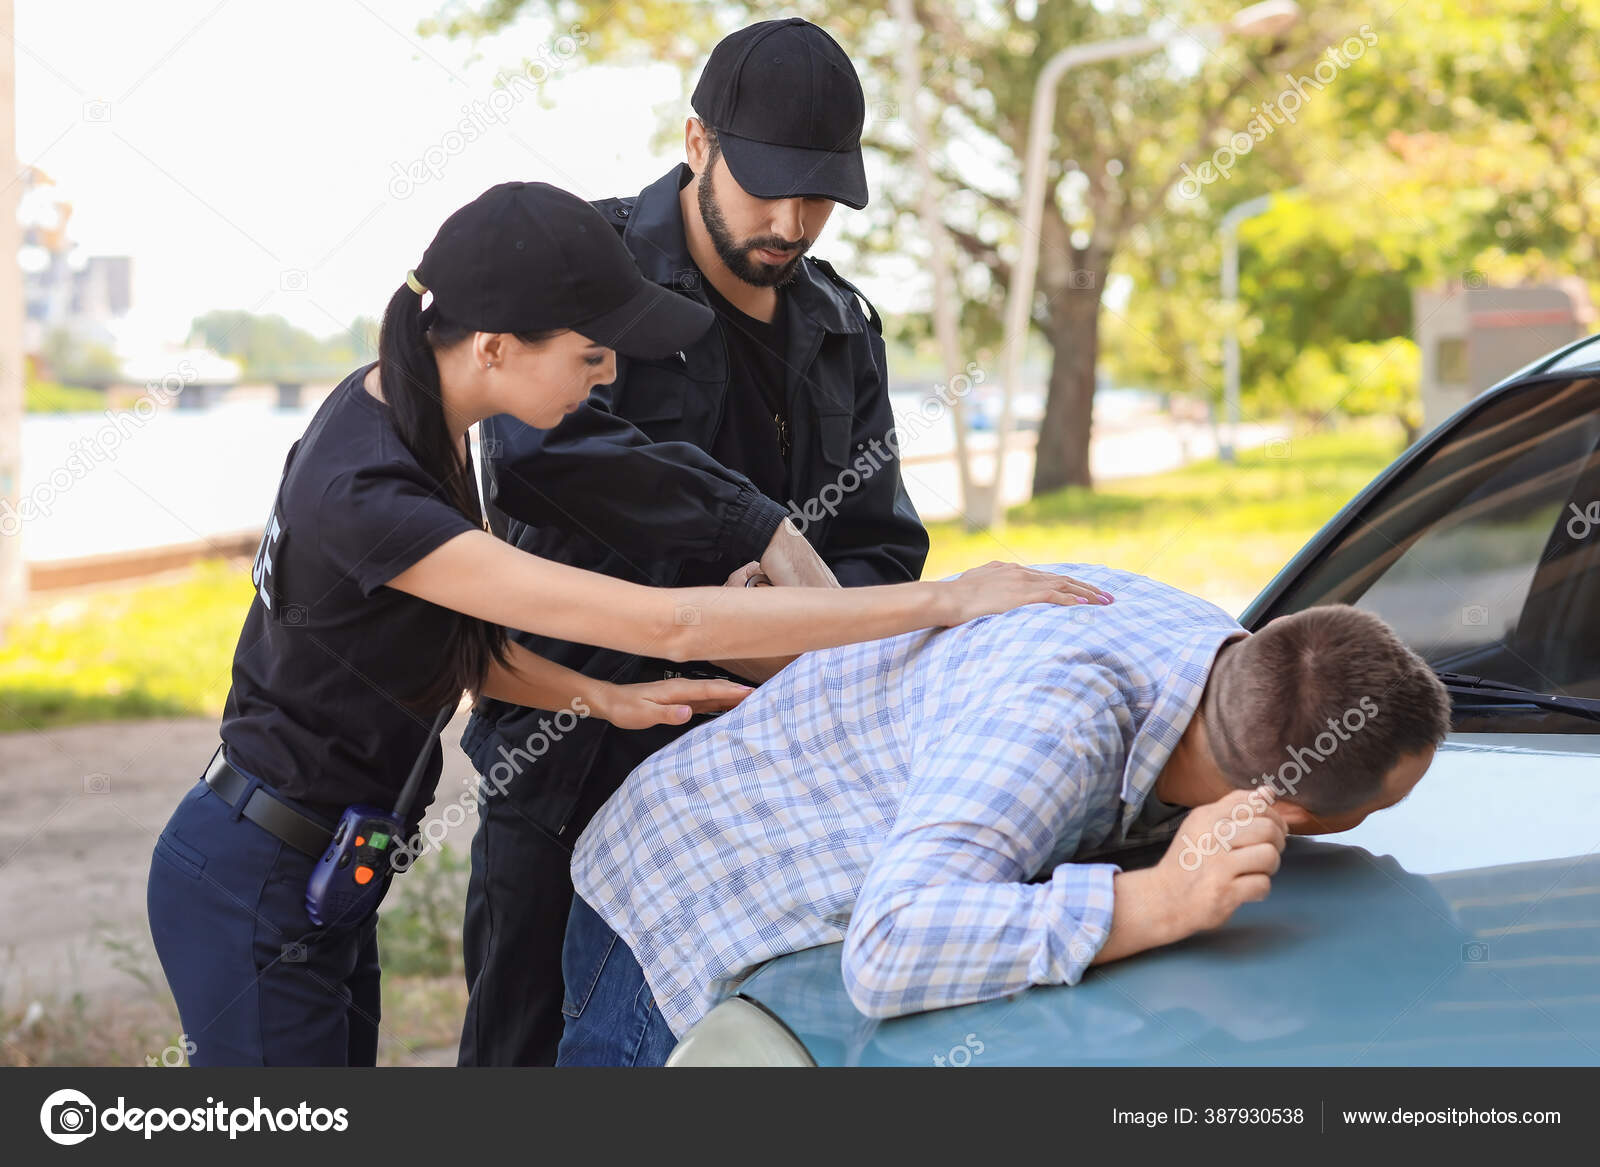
(1461, 927)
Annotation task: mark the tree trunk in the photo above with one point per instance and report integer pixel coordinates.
(1073, 330)
(13, 577)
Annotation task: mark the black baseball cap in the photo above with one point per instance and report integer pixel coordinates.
(788, 108)
(530, 257)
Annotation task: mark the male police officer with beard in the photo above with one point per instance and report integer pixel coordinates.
(672, 475)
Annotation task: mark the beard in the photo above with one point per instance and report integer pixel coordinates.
(735, 253)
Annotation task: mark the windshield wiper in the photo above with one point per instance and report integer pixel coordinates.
(1486, 689)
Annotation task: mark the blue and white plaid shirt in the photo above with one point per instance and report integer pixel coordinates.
(901, 795)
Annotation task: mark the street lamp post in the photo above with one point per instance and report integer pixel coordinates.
(1262, 19)
(946, 327)
(1228, 450)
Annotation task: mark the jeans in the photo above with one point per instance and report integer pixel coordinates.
(256, 983)
(612, 1018)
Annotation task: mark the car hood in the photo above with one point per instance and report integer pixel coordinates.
(1460, 927)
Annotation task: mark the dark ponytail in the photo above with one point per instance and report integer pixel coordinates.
(409, 375)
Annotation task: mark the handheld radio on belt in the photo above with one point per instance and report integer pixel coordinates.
(353, 872)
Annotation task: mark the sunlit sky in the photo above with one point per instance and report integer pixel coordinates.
(228, 145)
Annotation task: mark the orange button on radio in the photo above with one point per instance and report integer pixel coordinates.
(360, 842)
(363, 874)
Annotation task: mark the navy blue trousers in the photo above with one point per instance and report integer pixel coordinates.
(256, 983)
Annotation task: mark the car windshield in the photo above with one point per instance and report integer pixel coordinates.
(1485, 555)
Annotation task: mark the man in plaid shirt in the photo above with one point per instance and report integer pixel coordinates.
(935, 801)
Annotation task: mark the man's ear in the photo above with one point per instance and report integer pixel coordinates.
(1296, 817)
(696, 146)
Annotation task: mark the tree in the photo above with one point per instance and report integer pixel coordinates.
(1124, 129)
(1458, 150)
(1331, 264)
(1499, 93)
(72, 360)
(270, 348)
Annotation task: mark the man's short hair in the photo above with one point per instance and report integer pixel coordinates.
(1321, 704)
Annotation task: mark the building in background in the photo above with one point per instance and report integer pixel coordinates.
(1471, 337)
(70, 309)
(86, 301)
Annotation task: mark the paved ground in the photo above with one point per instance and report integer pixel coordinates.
(84, 806)
(1153, 445)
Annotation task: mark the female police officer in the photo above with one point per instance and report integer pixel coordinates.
(379, 598)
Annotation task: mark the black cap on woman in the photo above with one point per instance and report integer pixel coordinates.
(532, 295)
(529, 257)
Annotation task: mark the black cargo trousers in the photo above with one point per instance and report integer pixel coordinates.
(518, 900)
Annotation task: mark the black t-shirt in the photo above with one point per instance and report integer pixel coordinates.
(754, 436)
(328, 655)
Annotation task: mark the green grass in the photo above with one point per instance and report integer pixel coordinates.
(1219, 531)
(158, 650)
(419, 928)
(48, 397)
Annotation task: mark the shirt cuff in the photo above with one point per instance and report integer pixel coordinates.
(752, 522)
(1082, 898)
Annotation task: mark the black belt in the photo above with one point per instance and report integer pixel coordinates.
(653, 669)
(266, 810)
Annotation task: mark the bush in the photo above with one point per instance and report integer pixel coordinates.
(419, 926)
(49, 397)
(1357, 379)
